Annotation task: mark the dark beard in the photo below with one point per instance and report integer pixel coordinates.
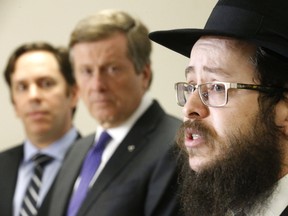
(243, 178)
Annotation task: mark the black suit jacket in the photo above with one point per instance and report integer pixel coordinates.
(9, 163)
(133, 183)
(285, 212)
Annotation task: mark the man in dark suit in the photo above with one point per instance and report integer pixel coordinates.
(234, 138)
(137, 175)
(44, 95)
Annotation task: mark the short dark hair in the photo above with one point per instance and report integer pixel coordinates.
(271, 70)
(60, 53)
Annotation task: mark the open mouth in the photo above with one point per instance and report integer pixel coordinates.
(195, 136)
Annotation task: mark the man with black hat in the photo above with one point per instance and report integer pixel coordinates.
(234, 138)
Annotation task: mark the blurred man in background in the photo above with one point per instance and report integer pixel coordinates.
(44, 95)
(134, 171)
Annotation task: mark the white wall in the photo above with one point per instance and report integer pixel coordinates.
(50, 20)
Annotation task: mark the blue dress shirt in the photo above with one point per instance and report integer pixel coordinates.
(57, 151)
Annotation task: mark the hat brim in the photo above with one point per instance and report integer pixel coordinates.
(182, 40)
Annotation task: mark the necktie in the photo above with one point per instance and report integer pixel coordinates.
(29, 206)
(89, 167)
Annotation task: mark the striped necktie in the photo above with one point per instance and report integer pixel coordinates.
(29, 205)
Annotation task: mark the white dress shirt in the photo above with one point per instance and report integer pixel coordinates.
(278, 200)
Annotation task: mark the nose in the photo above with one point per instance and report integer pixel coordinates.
(34, 92)
(97, 81)
(194, 107)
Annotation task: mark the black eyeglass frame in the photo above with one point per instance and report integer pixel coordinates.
(228, 85)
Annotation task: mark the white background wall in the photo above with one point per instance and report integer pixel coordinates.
(50, 20)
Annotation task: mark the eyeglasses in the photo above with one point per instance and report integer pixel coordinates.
(215, 94)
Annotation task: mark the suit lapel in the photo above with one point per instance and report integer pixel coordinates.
(9, 164)
(68, 175)
(44, 209)
(137, 137)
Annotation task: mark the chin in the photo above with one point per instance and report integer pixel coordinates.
(199, 164)
(196, 164)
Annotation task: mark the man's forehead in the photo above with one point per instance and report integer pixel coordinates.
(225, 42)
(223, 57)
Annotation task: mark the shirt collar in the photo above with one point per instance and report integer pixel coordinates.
(119, 133)
(277, 202)
(279, 199)
(57, 149)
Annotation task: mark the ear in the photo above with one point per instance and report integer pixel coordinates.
(15, 107)
(74, 94)
(146, 76)
(17, 113)
(281, 115)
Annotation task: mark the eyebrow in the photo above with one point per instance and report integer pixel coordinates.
(213, 70)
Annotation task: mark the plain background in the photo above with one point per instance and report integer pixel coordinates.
(52, 21)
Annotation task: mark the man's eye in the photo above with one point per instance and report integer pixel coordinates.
(189, 89)
(20, 87)
(112, 69)
(217, 87)
(86, 71)
(46, 83)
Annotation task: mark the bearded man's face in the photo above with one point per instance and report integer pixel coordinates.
(241, 176)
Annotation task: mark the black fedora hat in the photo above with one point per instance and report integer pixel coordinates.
(262, 22)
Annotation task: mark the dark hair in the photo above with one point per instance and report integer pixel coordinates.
(271, 70)
(272, 67)
(60, 53)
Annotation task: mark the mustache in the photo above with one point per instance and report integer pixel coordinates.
(198, 126)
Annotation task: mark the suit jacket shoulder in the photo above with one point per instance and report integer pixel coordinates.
(9, 163)
(64, 183)
(139, 179)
